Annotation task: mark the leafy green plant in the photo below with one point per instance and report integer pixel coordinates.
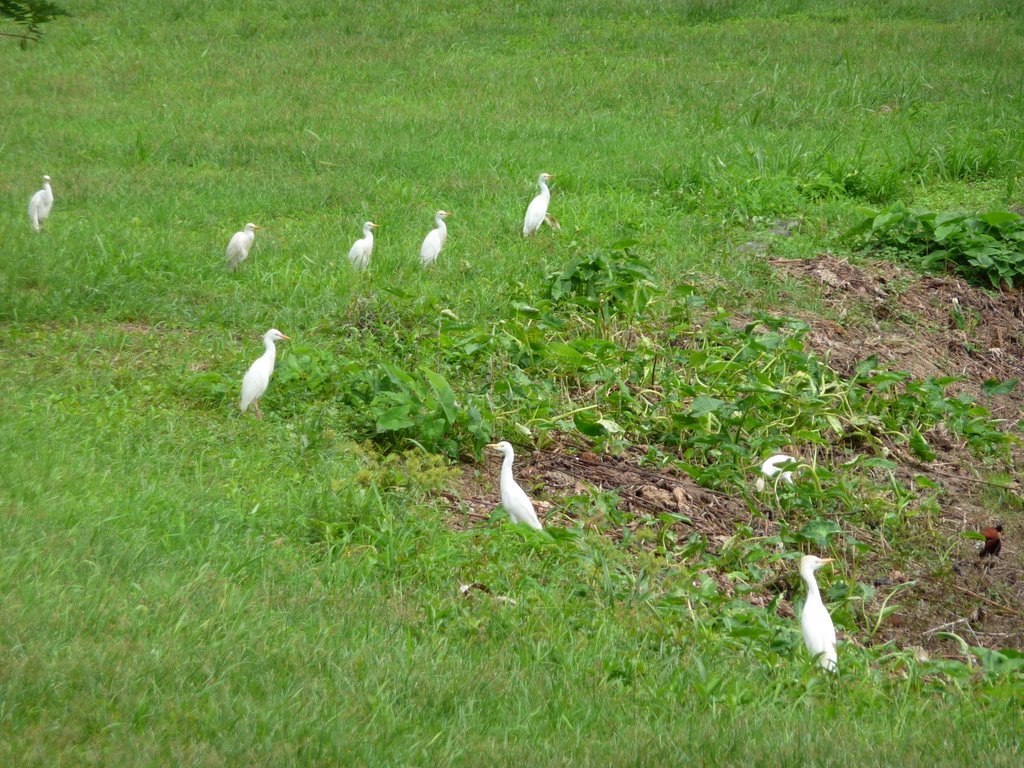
(986, 248)
(422, 408)
(610, 283)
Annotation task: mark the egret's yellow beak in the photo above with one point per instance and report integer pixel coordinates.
(828, 559)
(286, 338)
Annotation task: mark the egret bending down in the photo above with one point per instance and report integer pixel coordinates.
(819, 632)
(513, 498)
(362, 249)
(257, 378)
(434, 241)
(537, 211)
(239, 245)
(771, 467)
(40, 205)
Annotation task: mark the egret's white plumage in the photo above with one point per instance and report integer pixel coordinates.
(771, 467)
(362, 249)
(819, 632)
(537, 211)
(434, 241)
(513, 498)
(257, 378)
(239, 245)
(40, 205)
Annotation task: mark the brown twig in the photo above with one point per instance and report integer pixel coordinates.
(993, 603)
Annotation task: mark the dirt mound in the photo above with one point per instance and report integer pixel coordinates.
(927, 326)
(645, 493)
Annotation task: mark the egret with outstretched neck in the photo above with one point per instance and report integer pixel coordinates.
(537, 211)
(818, 630)
(257, 378)
(513, 498)
(434, 241)
(362, 249)
(40, 205)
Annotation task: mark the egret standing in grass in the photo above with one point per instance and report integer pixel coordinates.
(257, 378)
(362, 249)
(819, 632)
(513, 498)
(40, 205)
(239, 245)
(537, 211)
(434, 241)
(771, 467)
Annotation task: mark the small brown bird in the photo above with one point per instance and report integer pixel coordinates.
(992, 543)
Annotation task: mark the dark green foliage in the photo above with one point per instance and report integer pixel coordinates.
(608, 283)
(30, 15)
(986, 248)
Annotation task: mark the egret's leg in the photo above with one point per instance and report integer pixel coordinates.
(259, 414)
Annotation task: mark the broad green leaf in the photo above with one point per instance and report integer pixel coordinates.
(999, 218)
(394, 419)
(611, 427)
(819, 531)
(920, 447)
(997, 387)
(588, 425)
(444, 393)
(703, 405)
(561, 351)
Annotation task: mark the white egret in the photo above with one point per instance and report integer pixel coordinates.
(40, 204)
(257, 378)
(362, 249)
(771, 467)
(239, 245)
(513, 498)
(819, 632)
(434, 240)
(537, 211)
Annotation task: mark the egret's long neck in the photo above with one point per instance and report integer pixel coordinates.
(812, 585)
(544, 191)
(368, 233)
(46, 186)
(269, 350)
(442, 228)
(506, 466)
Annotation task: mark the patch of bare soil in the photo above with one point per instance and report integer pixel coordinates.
(935, 325)
(646, 493)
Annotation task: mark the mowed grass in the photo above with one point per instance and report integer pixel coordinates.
(183, 585)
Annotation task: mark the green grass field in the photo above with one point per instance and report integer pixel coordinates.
(181, 584)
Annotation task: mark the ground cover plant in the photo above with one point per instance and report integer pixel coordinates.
(182, 584)
(985, 248)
